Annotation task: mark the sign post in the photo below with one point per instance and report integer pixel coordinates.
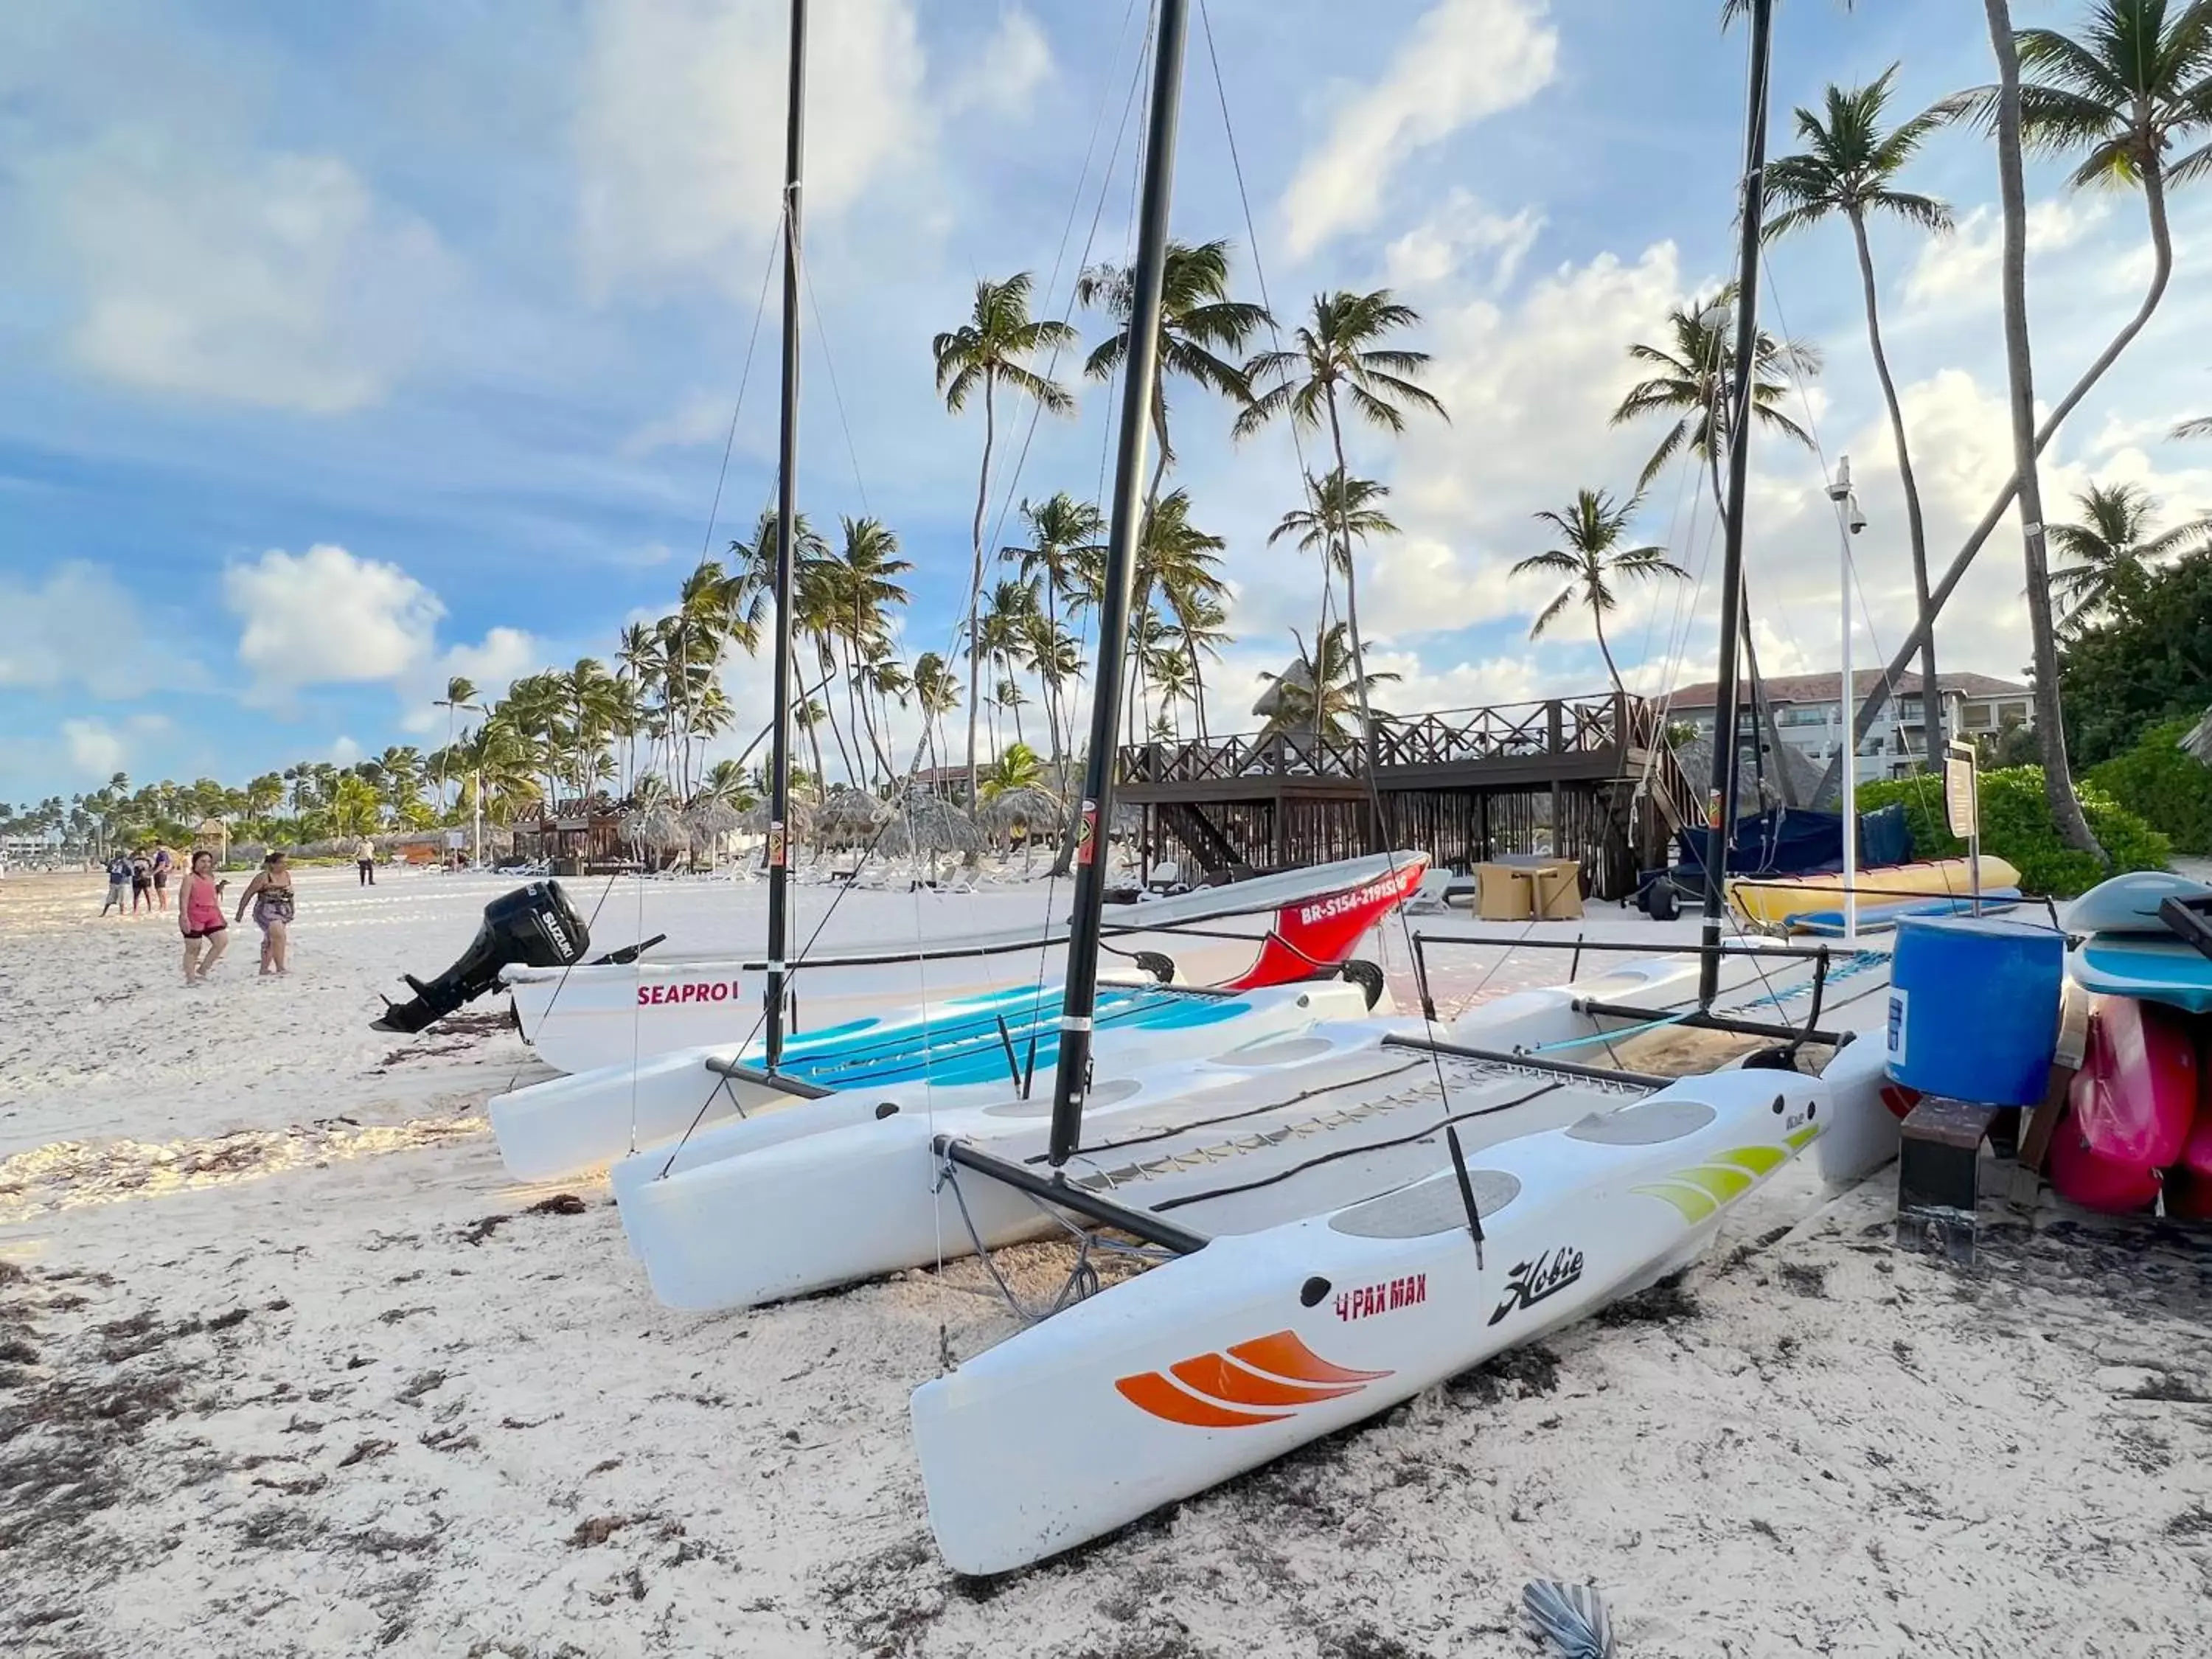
(1962, 809)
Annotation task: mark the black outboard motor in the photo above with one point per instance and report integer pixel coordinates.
(535, 925)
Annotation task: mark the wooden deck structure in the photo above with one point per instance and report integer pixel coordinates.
(1588, 778)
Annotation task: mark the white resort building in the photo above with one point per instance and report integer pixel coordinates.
(1810, 718)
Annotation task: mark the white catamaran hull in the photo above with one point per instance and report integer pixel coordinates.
(1176, 1380)
(596, 1015)
(845, 1188)
(569, 1124)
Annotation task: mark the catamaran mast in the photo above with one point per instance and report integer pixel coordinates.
(1720, 806)
(779, 765)
(1072, 1081)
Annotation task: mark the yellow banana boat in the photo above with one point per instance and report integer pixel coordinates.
(1814, 904)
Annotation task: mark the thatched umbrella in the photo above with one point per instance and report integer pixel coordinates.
(754, 819)
(848, 817)
(1032, 806)
(924, 823)
(2198, 738)
(658, 826)
(709, 820)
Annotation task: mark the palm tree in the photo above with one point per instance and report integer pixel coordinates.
(937, 689)
(1197, 322)
(999, 633)
(1848, 168)
(1061, 532)
(2057, 775)
(1340, 511)
(460, 693)
(864, 593)
(2127, 93)
(1693, 383)
(1338, 361)
(2113, 549)
(1018, 766)
(1322, 688)
(1593, 561)
(995, 345)
(1178, 559)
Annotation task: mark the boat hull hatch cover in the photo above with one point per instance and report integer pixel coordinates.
(1429, 1207)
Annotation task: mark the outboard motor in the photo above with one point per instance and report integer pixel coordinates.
(534, 925)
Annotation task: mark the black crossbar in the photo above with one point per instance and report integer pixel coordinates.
(1708, 1021)
(793, 1086)
(1530, 1062)
(1056, 1189)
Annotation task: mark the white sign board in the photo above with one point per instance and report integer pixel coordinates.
(1961, 803)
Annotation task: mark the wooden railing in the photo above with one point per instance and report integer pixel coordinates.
(1553, 727)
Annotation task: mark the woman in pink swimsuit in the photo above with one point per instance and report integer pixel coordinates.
(199, 913)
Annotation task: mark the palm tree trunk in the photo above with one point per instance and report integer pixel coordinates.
(975, 574)
(1350, 600)
(2161, 238)
(1931, 686)
(2058, 776)
(1597, 621)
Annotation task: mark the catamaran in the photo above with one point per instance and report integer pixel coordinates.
(1259, 931)
(1344, 1205)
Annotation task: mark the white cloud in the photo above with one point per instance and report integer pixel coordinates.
(680, 133)
(1459, 233)
(1003, 78)
(344, 751)
(492, 664)
(80, 627)
(278, 280)
(1464, 60)
(95, 750)
(1962, 268)
(327, 617)
(703, 417)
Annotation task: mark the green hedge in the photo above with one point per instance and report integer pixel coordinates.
(2170, 788)
(2017, 827)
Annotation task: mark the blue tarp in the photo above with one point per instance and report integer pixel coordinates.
(1788, 840)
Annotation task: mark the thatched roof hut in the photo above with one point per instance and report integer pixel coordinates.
(924, 823)
(1033, 806)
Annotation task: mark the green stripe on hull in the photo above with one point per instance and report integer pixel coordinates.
(1759, 1160)
(1694, 1202)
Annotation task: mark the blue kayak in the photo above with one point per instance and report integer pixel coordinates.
(966, 1041)
(2147, 967)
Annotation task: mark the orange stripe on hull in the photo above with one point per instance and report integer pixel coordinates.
(1151, 1392)
(1285, 1356)
(1223, 1379)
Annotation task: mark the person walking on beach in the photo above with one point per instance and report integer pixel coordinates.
(364, 859)
(119, 883)
(270, 893)
(164, 860)
(141, 881)
(199, 914)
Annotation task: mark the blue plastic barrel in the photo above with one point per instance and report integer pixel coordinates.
(1973, 1007)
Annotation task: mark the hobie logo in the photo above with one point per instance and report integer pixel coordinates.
(1530, 1282)
(1262, 1381)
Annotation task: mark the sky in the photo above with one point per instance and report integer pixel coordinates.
(349, 348)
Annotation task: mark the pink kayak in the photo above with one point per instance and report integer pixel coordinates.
(2131, 1107)
(2189, 1184)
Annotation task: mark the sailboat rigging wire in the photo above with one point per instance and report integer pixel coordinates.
(829, 366)
(1320, 1159)
(745, 379)
(1847, 696)
(1370, 754)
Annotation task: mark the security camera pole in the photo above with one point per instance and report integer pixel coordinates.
(1850, 520)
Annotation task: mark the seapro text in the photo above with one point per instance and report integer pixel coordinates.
(711, 990)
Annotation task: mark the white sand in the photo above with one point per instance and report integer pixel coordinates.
(270, 1385)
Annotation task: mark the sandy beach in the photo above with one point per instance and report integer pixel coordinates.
(288, 1367)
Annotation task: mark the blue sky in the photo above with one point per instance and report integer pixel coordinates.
(349, 347)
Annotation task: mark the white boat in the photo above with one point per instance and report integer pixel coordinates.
(1293, 1321)
(1259, 931)
(1315, 920)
